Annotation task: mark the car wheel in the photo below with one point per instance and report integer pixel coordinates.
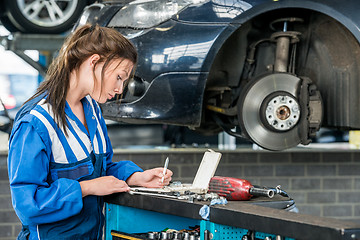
(39, 16)
(270, 111)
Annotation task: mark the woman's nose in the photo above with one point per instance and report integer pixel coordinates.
(119, 89)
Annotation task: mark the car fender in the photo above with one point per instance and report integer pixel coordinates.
(241, 11)
(342, 11)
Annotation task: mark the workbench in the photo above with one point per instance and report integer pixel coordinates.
(265, 218)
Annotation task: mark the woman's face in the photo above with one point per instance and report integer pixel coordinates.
(117, 72)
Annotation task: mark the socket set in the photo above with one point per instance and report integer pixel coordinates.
(174, 235)
(168, 234)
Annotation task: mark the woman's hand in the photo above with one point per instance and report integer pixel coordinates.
(150, 178)
(103, 186)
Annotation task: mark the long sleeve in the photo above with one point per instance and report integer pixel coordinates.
(122, 169)
(34, 199)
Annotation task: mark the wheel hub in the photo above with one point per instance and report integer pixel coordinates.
(282, 112)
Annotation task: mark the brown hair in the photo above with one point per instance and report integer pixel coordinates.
(80, 45)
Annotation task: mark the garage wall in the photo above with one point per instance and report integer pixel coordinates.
(323, 183)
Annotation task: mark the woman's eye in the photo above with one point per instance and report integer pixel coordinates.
(119, 78)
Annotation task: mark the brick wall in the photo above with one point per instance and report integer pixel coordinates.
(323, 183)
(9, 223)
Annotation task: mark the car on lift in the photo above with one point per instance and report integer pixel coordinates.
(271, 71)
(39, 16)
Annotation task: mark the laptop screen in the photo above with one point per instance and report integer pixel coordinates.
(206, 169)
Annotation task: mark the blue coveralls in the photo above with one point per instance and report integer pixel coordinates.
(46, 166)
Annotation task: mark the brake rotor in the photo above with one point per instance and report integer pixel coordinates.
(269, 111)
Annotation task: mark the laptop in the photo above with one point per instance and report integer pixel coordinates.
(200, 184)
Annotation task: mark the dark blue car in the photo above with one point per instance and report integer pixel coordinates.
(275, 71)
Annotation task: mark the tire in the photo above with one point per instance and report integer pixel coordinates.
(5, 21)
(34, 16)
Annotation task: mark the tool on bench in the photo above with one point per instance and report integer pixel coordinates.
(238, 189)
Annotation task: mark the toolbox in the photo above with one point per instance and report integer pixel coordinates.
(257, 218)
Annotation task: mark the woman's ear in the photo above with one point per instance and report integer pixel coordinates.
(93, 59)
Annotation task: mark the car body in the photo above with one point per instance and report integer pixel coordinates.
(274, 70)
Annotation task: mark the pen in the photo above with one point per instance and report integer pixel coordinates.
(165, 168)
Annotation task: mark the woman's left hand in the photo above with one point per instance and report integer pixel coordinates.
(151, 178)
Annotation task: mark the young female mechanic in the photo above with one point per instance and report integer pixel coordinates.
(60, 156)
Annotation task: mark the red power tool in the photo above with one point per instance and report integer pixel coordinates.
(237, 189)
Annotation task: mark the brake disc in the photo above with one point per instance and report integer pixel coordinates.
(270, 113)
